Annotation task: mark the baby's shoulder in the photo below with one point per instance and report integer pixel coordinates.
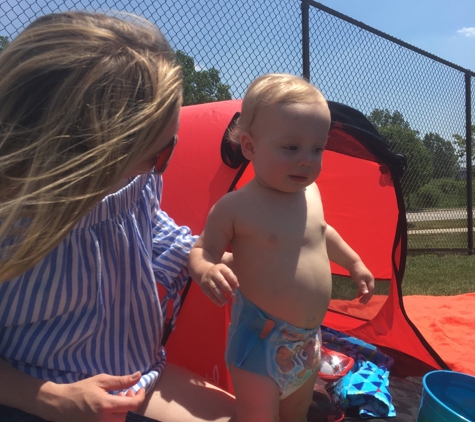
(238, 196)
(314, 200)
(229, 203)
(312, 193)
(236, 205)
(313, 188)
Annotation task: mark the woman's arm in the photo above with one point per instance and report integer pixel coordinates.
(22, 391)
(87, 400)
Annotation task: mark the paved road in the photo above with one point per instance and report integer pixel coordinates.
(439, 215)
(449, 214)
(432, 231)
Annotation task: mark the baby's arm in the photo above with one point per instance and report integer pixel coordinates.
(205, 262)
(342, 254)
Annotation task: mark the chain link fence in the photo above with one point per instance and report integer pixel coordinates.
(241, 39)
(417, 101)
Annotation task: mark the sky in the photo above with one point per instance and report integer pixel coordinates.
(244, 39)
(445, 28)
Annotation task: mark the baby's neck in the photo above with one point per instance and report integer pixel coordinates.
(259, 185)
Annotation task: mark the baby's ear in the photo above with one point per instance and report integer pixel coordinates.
(247, 145)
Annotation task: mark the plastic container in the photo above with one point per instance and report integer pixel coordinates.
(447, 397)
(335, 365)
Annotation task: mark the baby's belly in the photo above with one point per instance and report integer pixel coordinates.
(300, 296)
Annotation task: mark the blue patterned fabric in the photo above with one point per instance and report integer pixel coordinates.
(366, 386)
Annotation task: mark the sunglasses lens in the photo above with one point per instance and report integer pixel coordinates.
(164, 157)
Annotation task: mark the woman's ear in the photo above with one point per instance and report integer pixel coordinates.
(247, 145)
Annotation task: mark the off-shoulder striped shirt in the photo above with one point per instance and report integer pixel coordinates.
(91, 306)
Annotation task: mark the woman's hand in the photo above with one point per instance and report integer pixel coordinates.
(89, 399)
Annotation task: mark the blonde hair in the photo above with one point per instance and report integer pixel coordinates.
(275, 88)
(83, 96)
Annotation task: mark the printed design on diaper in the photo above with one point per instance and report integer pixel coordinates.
(295, 356)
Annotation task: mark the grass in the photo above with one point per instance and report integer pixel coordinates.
(437, 240)
(426, 274)
(345, 288)
(439, 274)
(437, 224)
(432, 274)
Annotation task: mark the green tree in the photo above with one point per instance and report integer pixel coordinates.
(201, 86)
(384, 118)
(443, 155)
(4, 41)
(402, 139)
(461, 146)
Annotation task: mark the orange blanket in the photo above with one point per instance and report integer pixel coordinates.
(448, 324)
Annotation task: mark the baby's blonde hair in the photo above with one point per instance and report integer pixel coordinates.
(274, 88)
(83, 97)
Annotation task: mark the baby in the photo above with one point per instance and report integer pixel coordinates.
(280, 279)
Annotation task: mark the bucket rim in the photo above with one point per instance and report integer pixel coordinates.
(431, 394)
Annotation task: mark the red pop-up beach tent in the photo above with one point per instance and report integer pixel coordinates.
(362, 199)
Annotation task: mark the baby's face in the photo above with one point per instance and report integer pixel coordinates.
(289, 139)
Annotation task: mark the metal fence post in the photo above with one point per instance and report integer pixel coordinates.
(305, 40)
(468, 138)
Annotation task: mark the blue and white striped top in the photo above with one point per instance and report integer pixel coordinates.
(91, 306)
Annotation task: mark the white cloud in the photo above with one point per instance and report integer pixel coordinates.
(468, 32)
(199, 68)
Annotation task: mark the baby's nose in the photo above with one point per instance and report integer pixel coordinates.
(306, 159)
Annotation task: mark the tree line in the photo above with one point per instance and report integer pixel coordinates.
(434, 164)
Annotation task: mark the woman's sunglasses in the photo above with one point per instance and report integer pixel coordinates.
(163, 157)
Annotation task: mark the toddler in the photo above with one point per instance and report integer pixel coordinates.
(280, 279)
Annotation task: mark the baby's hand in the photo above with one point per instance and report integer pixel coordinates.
(217, 281)
(365, 281)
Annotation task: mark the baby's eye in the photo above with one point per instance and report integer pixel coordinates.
(318, 150)
(291, 147)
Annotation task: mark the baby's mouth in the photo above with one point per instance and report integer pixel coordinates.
(296, 178)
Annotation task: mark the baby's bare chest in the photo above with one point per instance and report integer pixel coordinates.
(282, 227)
